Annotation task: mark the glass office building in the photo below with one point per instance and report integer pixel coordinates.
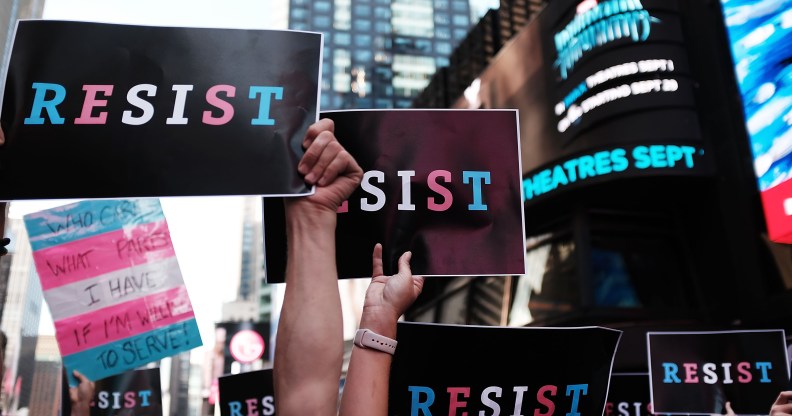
(381, 53)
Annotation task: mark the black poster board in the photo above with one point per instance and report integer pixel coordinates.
(133, 393)
(247, 393)
(443, 369)
(698, 372)
(94, 110)
(444, 184)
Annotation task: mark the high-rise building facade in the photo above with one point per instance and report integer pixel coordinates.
(10, 11)
(46, 384)
(469, 59)
(20, 320)
(381, 53)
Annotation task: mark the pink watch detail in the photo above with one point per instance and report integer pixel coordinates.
(365, 338)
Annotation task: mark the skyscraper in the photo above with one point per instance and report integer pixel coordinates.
(381, 53)
(20, 319)
(46, 384)
(10, 11)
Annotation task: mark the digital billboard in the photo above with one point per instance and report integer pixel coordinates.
(760, 34)
(604, 90)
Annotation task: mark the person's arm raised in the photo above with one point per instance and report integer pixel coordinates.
(387, 298)
(310, 345)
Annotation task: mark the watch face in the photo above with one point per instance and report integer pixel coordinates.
(247, 346)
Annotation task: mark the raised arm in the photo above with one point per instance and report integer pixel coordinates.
(310, 344)
(387, 298)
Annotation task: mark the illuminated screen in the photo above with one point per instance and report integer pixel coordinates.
(761, 44)
(604, 91)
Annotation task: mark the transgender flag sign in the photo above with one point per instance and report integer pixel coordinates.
(113, 285)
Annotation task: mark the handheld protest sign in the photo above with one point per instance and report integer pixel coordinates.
(628, 395)
(497, 370)
(95, 110)
(251, 393)
(444, 184)
(698, 372)
(132, 393)
(113, 285)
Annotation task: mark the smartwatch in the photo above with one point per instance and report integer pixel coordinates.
(365, 338)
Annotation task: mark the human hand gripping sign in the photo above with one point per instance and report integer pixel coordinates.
(326, 164)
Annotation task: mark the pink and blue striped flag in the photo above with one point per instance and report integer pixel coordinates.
(113, 285)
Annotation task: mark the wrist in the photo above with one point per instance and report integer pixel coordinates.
(379, 321)
(301, 214)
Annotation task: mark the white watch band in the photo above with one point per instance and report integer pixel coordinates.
(365, 338)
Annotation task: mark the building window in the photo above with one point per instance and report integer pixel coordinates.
(342, 38)
(441, 61)
(442, 19)
(300, 26)
(362, 10)
(363, 40)
(411, 74)
(441, 4)
(363, 103)
(460, 34)
(459, 6)
(362, 55)
(342, 63)
(443, 48)
(342, 17)
(442, 32)
(383, 103)
(321, 21)
(382, 27)
(299, 13)
(382, 42)
(362, 25)
(382, 13)
(403, 103)
(413, 18)
(461, 20)
(321, 6)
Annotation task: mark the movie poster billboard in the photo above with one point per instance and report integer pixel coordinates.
(457, 369)
(95, 110)
(698, 372)
(761, 45)
(443, 184)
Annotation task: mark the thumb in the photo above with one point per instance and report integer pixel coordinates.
(729, 410)
(404, 264)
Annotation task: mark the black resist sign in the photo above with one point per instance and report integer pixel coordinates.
(698, 372)
(444, 184)
(486, 371)
(97, 110)
(133, 393)
(628, 395)
(247, 394)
